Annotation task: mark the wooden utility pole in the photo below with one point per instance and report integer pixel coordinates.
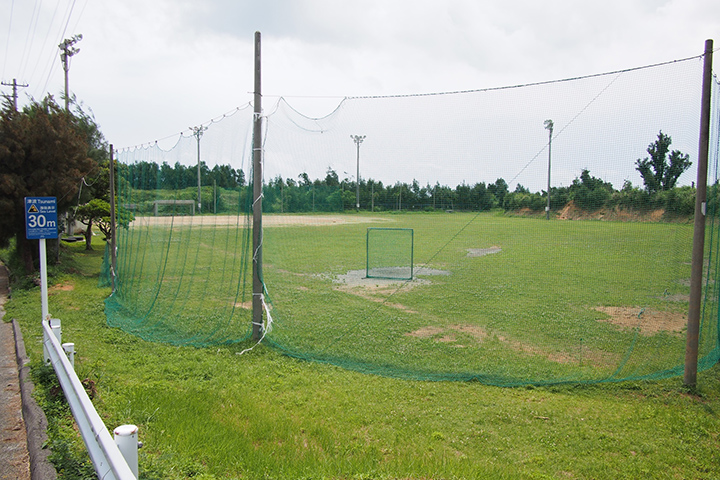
(15, 86)
(257, 199)
(696, 274)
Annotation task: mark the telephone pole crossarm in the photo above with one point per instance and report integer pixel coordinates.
(15, 86)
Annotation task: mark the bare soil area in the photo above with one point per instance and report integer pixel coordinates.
(481, 252)
(268, 220)
(358, 278)
(448, 335)
(649, 322)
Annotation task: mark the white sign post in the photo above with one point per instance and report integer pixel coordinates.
(41, 223)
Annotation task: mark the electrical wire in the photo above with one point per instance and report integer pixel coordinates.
(7, 43)
(29, 39)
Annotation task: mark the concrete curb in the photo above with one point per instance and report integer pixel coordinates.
(35, 420)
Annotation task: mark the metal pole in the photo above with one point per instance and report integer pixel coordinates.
(257, 199)
(358, 140)
(68, 50)
(693, 326)
(64, 58)
(549, 126)
(198, 133)
(113, 229)
(199, 190)
(43, 281)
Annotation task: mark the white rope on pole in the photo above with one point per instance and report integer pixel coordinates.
(266, 326)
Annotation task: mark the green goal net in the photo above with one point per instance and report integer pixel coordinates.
(389, 253)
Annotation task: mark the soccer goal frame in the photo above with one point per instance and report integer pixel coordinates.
(389, 253)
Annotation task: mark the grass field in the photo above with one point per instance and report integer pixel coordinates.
(209, 413)
(555, 302)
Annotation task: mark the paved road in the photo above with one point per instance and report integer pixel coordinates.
(14, 457)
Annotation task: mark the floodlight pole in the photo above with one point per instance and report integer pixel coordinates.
(549, 126)
(696, 274)
(358, 139)
(257, 300)
(198, 133)
(68, 50)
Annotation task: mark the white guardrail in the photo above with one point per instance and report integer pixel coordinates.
(105, 454)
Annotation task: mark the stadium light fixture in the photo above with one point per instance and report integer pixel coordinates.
(67, 51)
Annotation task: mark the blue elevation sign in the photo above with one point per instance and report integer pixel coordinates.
(41, 218)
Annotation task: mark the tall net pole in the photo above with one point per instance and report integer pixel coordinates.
(257, 199)
(113, 229)
(693, 326)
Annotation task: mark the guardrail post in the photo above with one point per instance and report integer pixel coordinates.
(69, 349)
(126, 438)
(55, 328)
(107, 460)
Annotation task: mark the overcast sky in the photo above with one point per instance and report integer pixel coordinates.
(149, 69)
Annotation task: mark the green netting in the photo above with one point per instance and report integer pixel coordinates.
(499, 294)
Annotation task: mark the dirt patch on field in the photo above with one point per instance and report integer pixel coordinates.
(267, 220)
(246, 305)
(478, 333)
(355, 282)
(448, 335)
(62, 287)
(649, 322)
(480, 252)
(426, 332)
(378, 295)
(358, 278)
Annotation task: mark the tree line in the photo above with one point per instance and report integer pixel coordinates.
(660, 172)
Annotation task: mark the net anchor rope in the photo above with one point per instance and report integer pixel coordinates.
(266, 327)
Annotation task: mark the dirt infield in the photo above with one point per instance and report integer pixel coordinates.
(268, 220)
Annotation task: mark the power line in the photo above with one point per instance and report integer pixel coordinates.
(52, 53)
(7, 44)
(30, 39)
